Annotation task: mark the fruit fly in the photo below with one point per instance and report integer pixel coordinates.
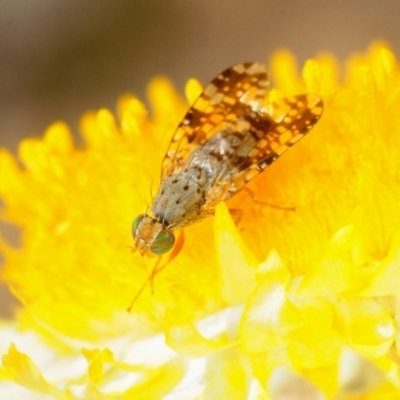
(225, 140)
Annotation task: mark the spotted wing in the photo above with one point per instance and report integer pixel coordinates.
(224, 100)
(270, 133)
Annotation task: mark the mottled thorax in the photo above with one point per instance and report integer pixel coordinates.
(180, 198)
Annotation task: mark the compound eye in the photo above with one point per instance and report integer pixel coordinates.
(164, 242)
(136, 222)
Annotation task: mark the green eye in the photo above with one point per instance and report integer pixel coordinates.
(164, 242)
(136, 222)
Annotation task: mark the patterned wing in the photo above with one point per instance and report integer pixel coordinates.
(224, 100)
(265, 138)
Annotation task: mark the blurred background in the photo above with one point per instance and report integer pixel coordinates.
(60, 58)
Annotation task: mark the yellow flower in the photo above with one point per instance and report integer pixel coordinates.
(264, 308)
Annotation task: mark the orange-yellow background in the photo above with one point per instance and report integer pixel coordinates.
(58, 59)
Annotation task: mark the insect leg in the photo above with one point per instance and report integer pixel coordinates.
(157, 269)
(236, 214)
(140, 291)
(267, 203)
(177, 248)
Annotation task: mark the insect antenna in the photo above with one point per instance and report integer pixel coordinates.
(152, 191)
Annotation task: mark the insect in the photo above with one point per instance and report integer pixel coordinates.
(225, 139)
(223, 142)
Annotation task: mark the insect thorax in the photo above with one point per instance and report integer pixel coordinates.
(180, 198)
(183, 197)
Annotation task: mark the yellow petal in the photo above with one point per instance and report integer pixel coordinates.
(26, 373)
(236, 261)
